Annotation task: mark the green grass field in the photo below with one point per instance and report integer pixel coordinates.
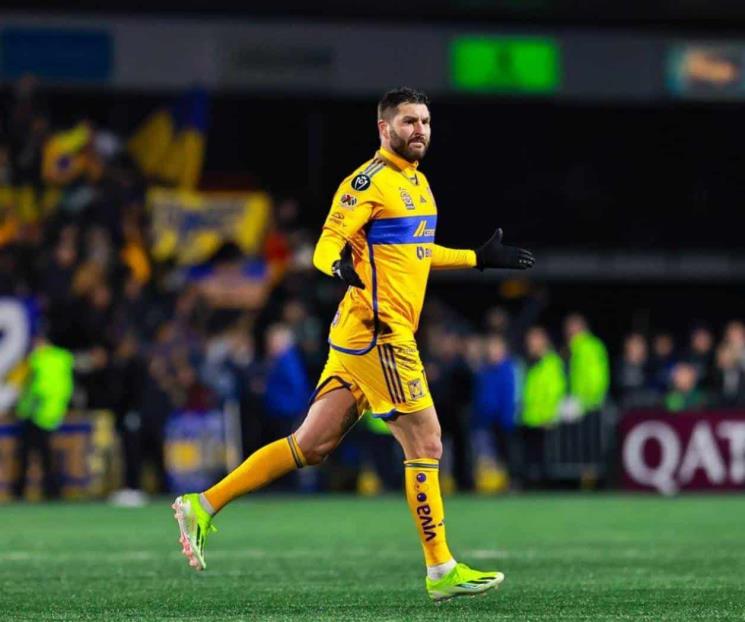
(566, 557)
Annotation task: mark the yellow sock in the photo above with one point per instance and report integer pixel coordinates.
(425, 503)
(259, 469)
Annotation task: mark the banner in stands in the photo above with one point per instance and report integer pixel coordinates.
(194, 450)
(83, 449)
(17, 321)
(190, 226)
(672, 452)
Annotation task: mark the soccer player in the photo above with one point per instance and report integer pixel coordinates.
(379, 239)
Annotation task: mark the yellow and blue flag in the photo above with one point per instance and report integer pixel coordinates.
(169, 146)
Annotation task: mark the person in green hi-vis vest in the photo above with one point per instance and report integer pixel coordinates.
(589, 375)
(589, 379)
(545, 382)
(42, 407)
(544, 388)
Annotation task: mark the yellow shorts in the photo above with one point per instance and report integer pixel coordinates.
(388, 380)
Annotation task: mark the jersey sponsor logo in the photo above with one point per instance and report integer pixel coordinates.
(406, 198)
(422, 231)
(426, 521)
(348, 201)
(422, 252)
(416, 390)
(361, 182)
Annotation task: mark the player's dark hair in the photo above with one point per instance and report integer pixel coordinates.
(402, 95)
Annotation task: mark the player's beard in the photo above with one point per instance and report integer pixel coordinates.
(402, 148)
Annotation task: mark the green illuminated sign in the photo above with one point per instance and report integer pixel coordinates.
(523, 65)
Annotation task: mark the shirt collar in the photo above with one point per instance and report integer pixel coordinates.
(397, 160)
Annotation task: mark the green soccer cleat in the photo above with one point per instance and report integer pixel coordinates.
(463, 581)
(194, 523)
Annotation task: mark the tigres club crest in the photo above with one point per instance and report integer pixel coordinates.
(406, 198)
(416, 390)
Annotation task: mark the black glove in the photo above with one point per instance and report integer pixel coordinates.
(343, 269)
(494, 254)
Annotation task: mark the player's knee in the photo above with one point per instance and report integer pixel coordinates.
(313, 457)
(431, 447)
(317, 452)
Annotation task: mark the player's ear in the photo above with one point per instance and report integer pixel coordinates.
(383, 128)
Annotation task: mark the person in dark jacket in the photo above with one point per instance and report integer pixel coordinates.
(494, 411)
(632, 381)
(450, 381)
(287, 386)
(662, 361)
(701, 355)
(729, 379)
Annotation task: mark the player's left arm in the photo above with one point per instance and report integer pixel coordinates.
(492, 254)
(444, 258)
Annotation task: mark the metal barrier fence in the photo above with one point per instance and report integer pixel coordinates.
(582, 450)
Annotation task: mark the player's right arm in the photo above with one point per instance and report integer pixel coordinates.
(328, 250)
(350, 211)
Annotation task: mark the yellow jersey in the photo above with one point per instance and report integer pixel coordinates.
(386, 211)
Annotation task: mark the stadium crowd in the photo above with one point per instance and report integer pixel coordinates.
(149, 338)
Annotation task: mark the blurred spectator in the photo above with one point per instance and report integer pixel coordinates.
(96, 341)
(308, 333)
(729, 378)
(631, 378)
(287, 385)
(127, 375)
(282, 238)
(156, 405)
(449, 380)
(497, 320)
(233, 372)
(135, 311)
(734, 336)
(589, 376)
(701, 355)
(253, 387)
(231, 285)
(515, 326)
(494, 412)
(227, 359)
(133, 253)
(544, 387)
(663, 360)
(684, 393)
(545, 383)
(41, 408)
(57, 277)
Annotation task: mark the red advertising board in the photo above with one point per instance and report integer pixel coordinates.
(671, 452)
